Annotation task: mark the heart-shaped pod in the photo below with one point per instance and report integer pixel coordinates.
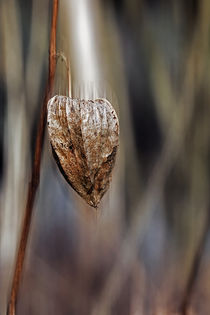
(84, 135)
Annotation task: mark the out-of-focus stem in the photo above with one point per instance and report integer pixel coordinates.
(34, 182)
(184, 307)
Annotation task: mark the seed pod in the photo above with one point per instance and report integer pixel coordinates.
(84, 135)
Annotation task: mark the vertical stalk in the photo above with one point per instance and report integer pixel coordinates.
(35, 176)
(193, 274)
(68, 70)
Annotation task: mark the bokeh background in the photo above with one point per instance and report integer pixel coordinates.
(151, 60)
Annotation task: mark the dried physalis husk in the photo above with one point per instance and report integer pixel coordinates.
(84, 135)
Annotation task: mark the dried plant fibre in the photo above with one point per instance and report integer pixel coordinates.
(84, 135)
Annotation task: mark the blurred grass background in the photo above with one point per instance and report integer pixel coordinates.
(150, 58)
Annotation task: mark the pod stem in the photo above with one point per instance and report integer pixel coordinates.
(68, 70)
(35, 176)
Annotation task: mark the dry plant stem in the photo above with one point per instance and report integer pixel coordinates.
(67, 63)
(34, 182)
(195, 268)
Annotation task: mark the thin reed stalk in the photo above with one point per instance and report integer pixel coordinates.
(35, 176)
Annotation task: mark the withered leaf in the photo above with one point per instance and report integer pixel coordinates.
(84, 135)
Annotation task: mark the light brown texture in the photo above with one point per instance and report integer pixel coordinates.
(84, 135)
